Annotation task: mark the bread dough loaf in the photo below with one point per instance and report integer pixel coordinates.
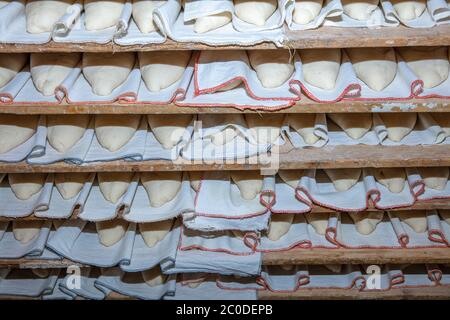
(10, 66)
(429, 64)
(255, 11)
(154, 277)
(229, 132)
(319, 221)
(15, 130)
(343, 179)
(143, 14)
(111, 232)
(105, 72)
(195, 177)
(306, 11)
(113, 131)
(211, 22)
(279, 225)
(250, 183)
(161, 69)
(305, 125)
(445, 214)
(41, 273)
(398, 125)
(359, 9)
(63, 131)
(321, 67)
(443, 120)
(114, 185)
(101, 15)
(154, 232)
(265, 129)
(376, 67)
(161, 187)
(273, 67)
(169, 130)
(355, 125)
(366, 222)
(49, 70)
(26, 231)
(434, 177)
(291, 177)
(69, 185)
(409, 9)
(391, 178)
(26, 185)
(41, 15)
(416, 219)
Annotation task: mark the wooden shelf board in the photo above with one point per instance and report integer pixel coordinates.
(37, 263)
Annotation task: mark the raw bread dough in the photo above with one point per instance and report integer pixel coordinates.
(306, 11)
(304, 124)
(429, 64)
(161, 69)
(255, 11)
(113, 131)
(114, 185)
(391, 178)
(291, 177)
(434, 177)
(25, 231)
(154, 232)
(101, 15)
(319, 221)
(169, 130)
(229, 132)
(161, 187)
(273, 67)
(212, 22)
(335, 268)
(15, 130)
(143, 14)
(26, 185)
(343, 179)
(63, 131)
(264, 129)
(195, 178)
(105, 72)
(111, 232)
(359, 9)
(398, 125)
(376, 67)
(366, 222)
(279, 225)
(416, 219)
(70, 184)
(49, 70)
(321, 67)
(445, 214)
(250, 183)
(41, 273)
(355, 125)
(10, 66)
(41, 15)
(154, 277)
(443, 120)
(409, 9)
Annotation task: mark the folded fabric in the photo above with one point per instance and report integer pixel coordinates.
(337, 136)
(320, 131)
(330, 9)
(439, 10)
(425, 20)
(84, 286)
(428, 193)
(25, 283)
(57, 294)
(285, 199)
(9, 92)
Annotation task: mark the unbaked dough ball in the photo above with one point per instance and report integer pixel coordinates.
(319, 221)
(161, 187)
(409, 9)
(291, 177)
(111, 232)
(161, 69)
(265, 129)
(15, 130)
(69, 185)
(195, 178)
(114, 185)
(398, 125)
(343, 179)
(10, 66)
(41, 15)
(376, 67)
(101, 15)
(143, 14)
(154, 232)
(359, 9)
(114, 131)
(212, 22)
(355, 125)
(306, 11)
(304, 124)
(366, 222)
(391, 178)
(279, 225)
(26, 185)
(250, 183)
(64, 131)
(443, 120)
(273, 67)
(169, 130)
(255, 11)
(154, 277)
(229, 132)
(434, 177)
(41, 273)
(416, 219)
(321, 67)
(26, 231)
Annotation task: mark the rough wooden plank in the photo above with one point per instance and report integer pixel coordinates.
(37, 264)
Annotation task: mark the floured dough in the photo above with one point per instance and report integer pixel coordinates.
(355, 125)
(114, 185)
(143, 14)
(229, 132)
(154, 277)
(306, 11)
(443, 120)
(63, 131)
(343, 179)
(359, 9)
(26, 185)
(211, 22)
(161, 187)
(195, 177)
(70, 184)
(366, 222)
(391, 178)
(416, 219)
(49, 70)
(409, 9)
(111, 232)
(445, 214)
(255, 11)
(169, 130)
(26, 231)
(250, 183)
(279, 225)
(291, 177)
(376, 67)
(318, 220)
(113, 131)
(434, 177)
(105, 72)
(15, 130)
(265, 129)
(10, 66)
(101, 15)
(398, 125)
(161, 69)
(154, 232)
(321, 67)
(41, 15)
(304, 124)
(273, 67)
(41, 273)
